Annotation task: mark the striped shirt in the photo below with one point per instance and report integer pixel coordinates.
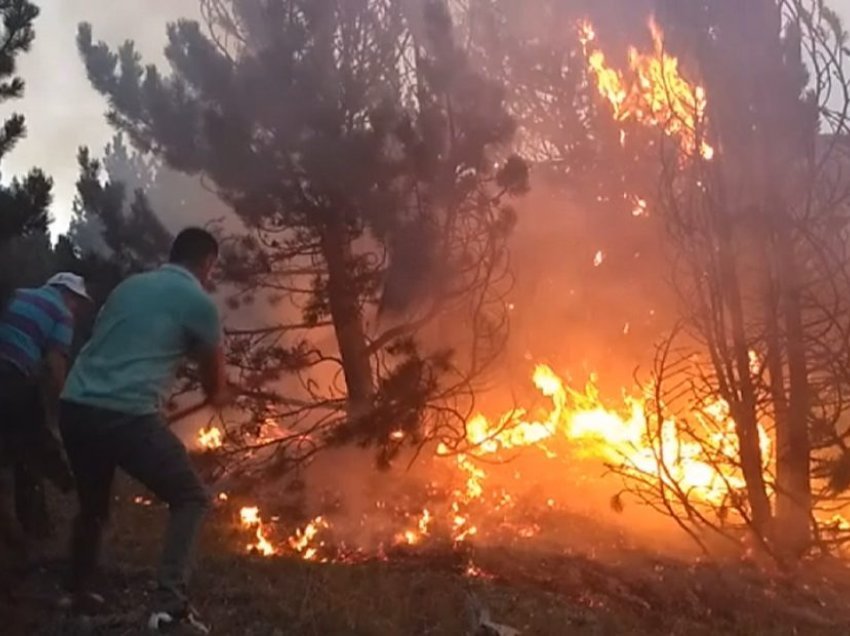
(34, 322)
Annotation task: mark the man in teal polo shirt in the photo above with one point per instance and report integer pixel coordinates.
(110, 415)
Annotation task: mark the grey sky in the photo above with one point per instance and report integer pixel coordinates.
(63, 111)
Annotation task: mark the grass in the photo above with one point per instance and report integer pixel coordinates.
(419, 594)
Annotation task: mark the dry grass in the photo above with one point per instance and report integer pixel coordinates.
(428, 594)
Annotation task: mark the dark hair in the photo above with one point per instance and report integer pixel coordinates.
(192, 246)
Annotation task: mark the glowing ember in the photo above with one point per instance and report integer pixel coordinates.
(641, 208)
(210, 438)
(654, 94)
(599, 258)
(415, 537)
(250, 516)
(528, 532)
(475, 572)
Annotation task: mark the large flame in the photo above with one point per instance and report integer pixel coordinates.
(576, 424)
(653, 93)
(706, 468)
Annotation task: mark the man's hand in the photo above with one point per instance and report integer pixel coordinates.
(57, 369)
(49, 457)
(212, 365)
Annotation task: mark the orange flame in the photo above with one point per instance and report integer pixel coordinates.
(579, 421)
(303, 541)
(654, 94)
(251, 520)
(707, 470)
(210, 438)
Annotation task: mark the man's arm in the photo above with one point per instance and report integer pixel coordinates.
(56, 364)
(212, 370)
(206, 348)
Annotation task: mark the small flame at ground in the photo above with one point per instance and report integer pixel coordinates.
(210, 438)
(251, 520)
(303, 542)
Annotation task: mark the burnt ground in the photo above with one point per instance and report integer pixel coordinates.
(413, 594)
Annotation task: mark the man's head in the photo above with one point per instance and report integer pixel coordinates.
(73, 290)
(196, 250)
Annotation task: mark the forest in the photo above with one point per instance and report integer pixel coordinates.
(536, 312)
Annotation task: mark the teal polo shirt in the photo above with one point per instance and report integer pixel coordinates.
(141, 336)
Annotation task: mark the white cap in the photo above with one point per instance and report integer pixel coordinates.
(71, 282)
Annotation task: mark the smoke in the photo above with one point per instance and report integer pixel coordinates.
(589, 299)
(568, 313)
(63, 112)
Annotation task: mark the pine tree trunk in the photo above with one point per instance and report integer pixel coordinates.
(793, 446)
(347, 319)
(743, 405)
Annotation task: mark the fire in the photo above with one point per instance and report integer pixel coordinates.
(210, 438)
(654, 93)
(416, 536)
(251, 520)
(303, 542)
(573, 424)
(706, 470)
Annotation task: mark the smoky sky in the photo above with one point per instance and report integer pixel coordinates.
(63, 111)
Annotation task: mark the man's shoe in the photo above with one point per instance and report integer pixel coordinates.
(186, 621)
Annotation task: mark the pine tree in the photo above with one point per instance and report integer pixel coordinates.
(162, 200)
(106, 224)
(763, 241)
(24, 202)
(598, 182)
(340, 143)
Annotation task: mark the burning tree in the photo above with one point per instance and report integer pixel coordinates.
(589, 257)
(360, 162)
(754, 197)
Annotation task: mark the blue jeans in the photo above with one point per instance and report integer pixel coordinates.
(97, 442)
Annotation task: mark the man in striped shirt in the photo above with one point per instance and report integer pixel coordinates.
(36, 331)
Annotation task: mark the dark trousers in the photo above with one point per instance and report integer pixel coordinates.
(28, 452)
(99, 441)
